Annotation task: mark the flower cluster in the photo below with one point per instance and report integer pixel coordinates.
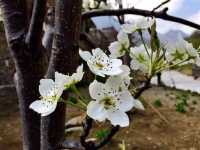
(140, 24)
(112, 98)
(181, 51)
(51, 91)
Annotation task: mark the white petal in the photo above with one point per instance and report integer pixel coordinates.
(126, 101)
(135, 65)
(123, 39)
(115, 49)
(46, 87)
(116, 62)
(145, 23)
(198, 61)
(138, 104)
(96, 111)
(98, 52)
(59, 78)
(96, 90)
(113, 71)
(43, 107)
(79, 74)
(126, 71)
(60, 81)
(85, 55)
(113, 82)
(118, 118)
(128, 28)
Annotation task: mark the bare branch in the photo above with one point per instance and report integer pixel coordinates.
(14, 20)
(160, 14)
(113, 131)
(160, 5)
(87, 126)
(34, 34)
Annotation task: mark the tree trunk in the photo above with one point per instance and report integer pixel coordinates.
(29, 62)
(64, 59)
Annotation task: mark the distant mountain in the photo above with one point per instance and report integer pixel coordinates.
(167, 37)
(171, 36)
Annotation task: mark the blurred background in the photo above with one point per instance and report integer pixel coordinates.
(150, 132)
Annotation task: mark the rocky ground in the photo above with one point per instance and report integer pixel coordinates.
(148, 131)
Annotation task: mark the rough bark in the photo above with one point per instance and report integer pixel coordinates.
(30, 68)
(64, 59)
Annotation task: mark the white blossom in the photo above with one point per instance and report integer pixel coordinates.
(119, 48)
(111, 102)
(50, 92)
(179, 51)
(141, 23)
(89, 4)
(100, 64)
(140, 59)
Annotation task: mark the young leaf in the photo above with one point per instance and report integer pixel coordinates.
(155, 42)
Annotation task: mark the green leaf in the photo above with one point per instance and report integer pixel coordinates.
(102, 134)
(73, 100)
(155, 42)
(157, 103)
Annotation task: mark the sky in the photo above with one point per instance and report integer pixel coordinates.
(187, 9)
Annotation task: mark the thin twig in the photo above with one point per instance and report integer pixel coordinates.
(87, 126)
(143, 88)
(146, 13)
(158, 113)
(113, 131)
(34, 34)
(160, 5)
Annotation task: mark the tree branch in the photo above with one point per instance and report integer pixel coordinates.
(86, 128)
(158, 14)
(34, 34)
(160, 5)
(64, 59)
(14, 20)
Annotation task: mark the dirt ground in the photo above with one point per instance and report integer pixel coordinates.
(146, 132)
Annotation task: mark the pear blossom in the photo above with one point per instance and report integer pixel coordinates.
(119, 48)
(140, 59)
(89, 4)
(100, 64)
(181, 50)
(123, 78)
(50, 92)
(111, 101)
(139, 24)
(75, 77)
